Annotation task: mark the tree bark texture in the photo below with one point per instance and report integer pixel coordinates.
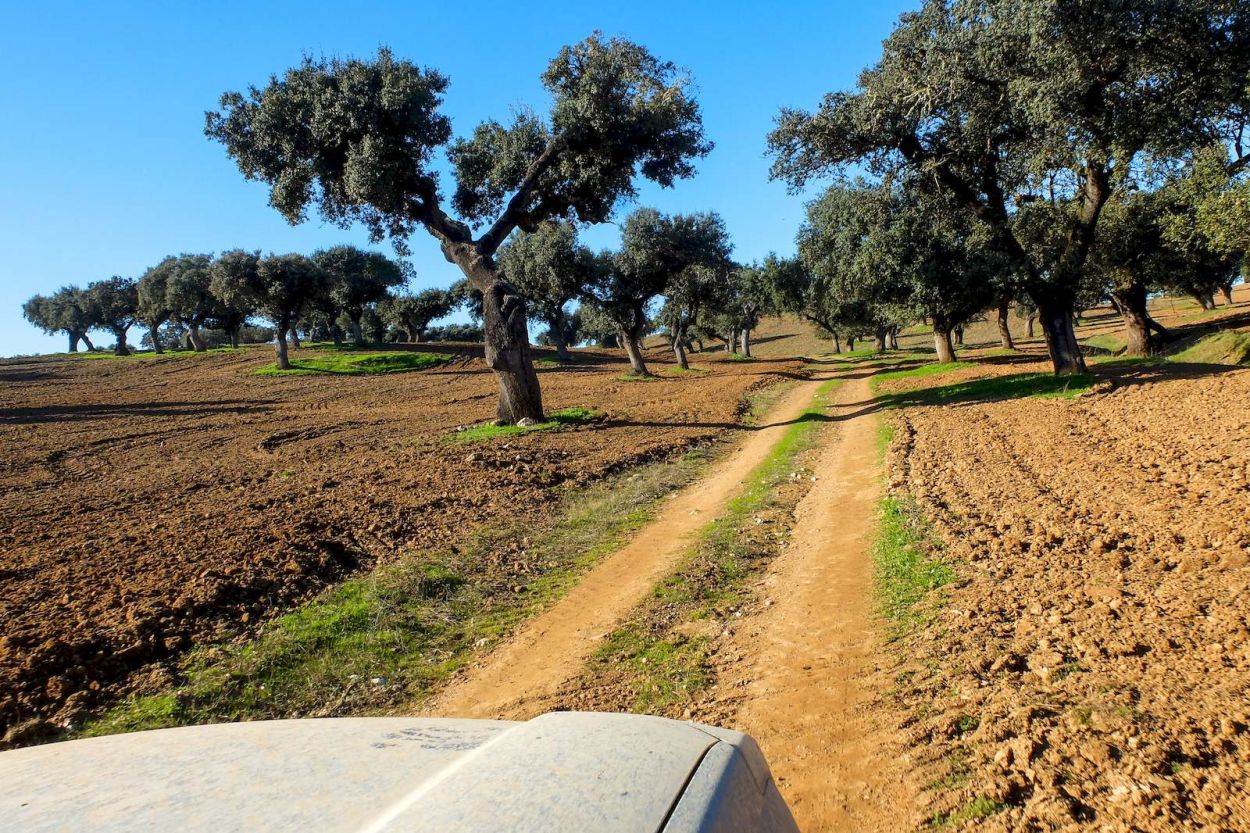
(1004, 330)
(506, 331)
(942, 343)
(1056, 320)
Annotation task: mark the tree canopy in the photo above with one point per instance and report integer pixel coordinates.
(356, 140)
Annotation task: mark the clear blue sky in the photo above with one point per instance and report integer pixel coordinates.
(104, 168)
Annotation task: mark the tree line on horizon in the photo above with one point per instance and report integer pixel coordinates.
(1026, 153)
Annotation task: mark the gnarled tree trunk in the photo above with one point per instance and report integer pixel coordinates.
(87, 341)
(1004, 330)
(555, 327)
(837, 343)
(894, 337)
(358, 335)
(73, 341)
(746, 342)
(942, 343)
(279, 346)
(1227, 291)
(193, 333)
(121, 348)
(506, 333)
(882, 343)
(1029, 326)
(1056, 319)
(850, 343)
(154, 333)
(1130, 302)
(678, 337)
(295, 339)
(959, 336)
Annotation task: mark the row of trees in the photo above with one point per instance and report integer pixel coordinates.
(1052, 153)
(336, 289)
(683, 259)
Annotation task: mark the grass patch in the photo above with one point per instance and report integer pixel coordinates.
(907, 574)
(1228, 347)
(678, 370)
(994, 388)
(638, 377)
(981, 807)
(922, 372)
(555, 419)
(354, 363)
(1102, 344)
(389, 638)
(664, 662)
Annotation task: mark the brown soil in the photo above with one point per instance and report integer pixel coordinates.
(519, 678)
(1091, 669)
(151, 503)
(807, 689)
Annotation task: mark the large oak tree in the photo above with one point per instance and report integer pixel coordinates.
(996, 100)
(356, 140)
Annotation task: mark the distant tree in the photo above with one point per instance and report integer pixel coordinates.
(997, 101)
(596, 328)
(692, 251)
(278, 287)
(356, 140)
(358, 278)
(627, 282)
(549, 267)
(188, 297)
(413, 313)
(152, 293)
(115, 306)
(67, 310)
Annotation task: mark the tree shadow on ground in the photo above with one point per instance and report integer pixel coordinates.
(74, 413)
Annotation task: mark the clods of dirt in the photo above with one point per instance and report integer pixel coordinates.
(151, 504)
(1091, 668)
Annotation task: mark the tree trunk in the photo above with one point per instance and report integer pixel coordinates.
(279, 346)
(193, 333)
(882, 343)
(1227, 291)
(837, 343)
(121, 348)
(746, 342)
(634, 352)
(1130, 301)
(234, 336)
(679, 346)
(959, 336)
(1207, 302)
(358, 336)
(943, 344)
(507, 342)
(850, 344)
(555, 329)
(1029, 326)
(295, 339)
(731, 341)
(154, 333)
(73, 341)
(894, 337)
(87, 341)
(1004, 330)
(1056, 320)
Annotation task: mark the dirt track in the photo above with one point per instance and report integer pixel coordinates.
(1100, 647)
(518, 679)
(150, 503)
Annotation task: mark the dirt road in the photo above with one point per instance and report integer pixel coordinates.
(811, 675)
(518, 677)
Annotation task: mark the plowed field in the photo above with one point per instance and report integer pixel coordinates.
(1091, 669)
(148, 503)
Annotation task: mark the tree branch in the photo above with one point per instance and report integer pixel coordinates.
(514, 212)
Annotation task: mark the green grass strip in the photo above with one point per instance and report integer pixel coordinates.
(348, 363)
(555, 419)
(666, 668)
